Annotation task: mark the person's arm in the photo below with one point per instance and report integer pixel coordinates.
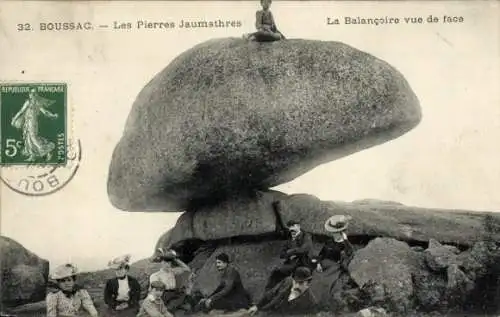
(271, 296)
(181, 268)
(227, 286)
(267, 299)
(51, 302)
(284, 252)
(274, 28)
(108, 295)
(258, 20)
(135, 293)
(88, 304)
(349, 249)
(20, 112)
(151, 279)
(48, 113)
(150, 308)
(305, 248)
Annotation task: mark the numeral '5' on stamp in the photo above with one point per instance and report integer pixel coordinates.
(33, 124)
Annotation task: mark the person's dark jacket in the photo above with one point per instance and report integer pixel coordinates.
(276, 301)
(111, 292)
(230, 295)
(301, 248)
(340, 252)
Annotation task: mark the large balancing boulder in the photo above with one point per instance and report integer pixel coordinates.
(231, 116)
(24, 274)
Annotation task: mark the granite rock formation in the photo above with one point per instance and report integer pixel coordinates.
(24, 274)
(392, 269)
(228, 117)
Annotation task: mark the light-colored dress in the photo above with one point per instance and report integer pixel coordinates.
(59, 305)
(27, 120)
(167, 277)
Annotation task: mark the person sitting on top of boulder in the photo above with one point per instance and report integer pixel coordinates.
(230, 295)
(338, 249)
(70, 299)
(265, 25)
(291, 296)
(123, 292)
(153, 305)
(297, 252)
(174, 296)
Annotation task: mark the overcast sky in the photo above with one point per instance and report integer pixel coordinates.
(449, 161)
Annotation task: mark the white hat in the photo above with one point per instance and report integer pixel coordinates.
(162, 255)
(64, 271)
(119, 262)
(337, 223)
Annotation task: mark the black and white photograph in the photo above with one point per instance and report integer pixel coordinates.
(250, 158)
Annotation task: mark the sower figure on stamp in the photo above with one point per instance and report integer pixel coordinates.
(230, 295)
(297, 252)
(267, 30)
(291, 296)
(27, 120)
(122, 293)
(174, 296)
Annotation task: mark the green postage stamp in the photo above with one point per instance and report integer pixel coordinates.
(33, 124)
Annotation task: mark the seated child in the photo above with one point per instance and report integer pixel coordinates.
(266, 27)
(153, 305)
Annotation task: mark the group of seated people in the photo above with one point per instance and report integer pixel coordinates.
(286, 291)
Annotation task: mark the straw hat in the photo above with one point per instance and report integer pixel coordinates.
(64, 271)
(337, 223)
(119, 262)
(162, 255)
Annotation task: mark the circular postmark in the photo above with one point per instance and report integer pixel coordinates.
(42, 180)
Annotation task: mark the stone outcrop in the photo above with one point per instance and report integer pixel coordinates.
(228, 117)
(257, 216)
(439, 257)
(390, 264)
(395, 270)
(24, 274)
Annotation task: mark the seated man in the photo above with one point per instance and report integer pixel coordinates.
(297, 252)
(230, 295)
(122, 293)
(289, 297)
(265, 25)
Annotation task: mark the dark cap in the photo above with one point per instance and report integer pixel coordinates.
(292, 223)
(223, 257)
(301, 274)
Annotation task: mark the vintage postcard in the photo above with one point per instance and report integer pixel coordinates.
(249, 158)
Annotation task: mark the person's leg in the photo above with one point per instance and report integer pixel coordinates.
(279, 274)
(288, 269)
(176, 301)
(274, 279)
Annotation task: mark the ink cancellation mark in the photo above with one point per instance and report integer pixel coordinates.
(33, 124)
(42, 180)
